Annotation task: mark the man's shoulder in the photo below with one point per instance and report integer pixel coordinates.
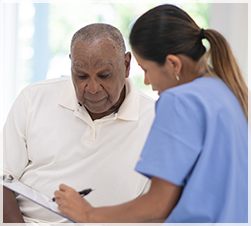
(145, 98)
(147, 106)
(48, 82)
(47, 88)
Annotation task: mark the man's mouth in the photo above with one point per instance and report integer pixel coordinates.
(95, 101)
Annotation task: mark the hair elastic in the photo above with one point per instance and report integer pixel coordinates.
(202, 34)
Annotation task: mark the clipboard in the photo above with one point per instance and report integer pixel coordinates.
(32, 194)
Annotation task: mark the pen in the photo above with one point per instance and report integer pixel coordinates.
(82, 193)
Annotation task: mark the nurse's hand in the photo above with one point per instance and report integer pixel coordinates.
(72, 204)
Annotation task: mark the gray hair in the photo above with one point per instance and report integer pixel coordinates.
(99, 31)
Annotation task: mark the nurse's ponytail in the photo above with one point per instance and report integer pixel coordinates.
(225, 66)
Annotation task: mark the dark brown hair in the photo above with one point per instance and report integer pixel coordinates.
(167, 29)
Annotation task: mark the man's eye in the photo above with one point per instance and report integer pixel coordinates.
(82, 76)
(104, 76)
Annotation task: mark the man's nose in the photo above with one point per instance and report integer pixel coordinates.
(93, 86)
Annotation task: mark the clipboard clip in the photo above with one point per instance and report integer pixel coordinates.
(8, 178)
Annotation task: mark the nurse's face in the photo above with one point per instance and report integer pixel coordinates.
(159, 77)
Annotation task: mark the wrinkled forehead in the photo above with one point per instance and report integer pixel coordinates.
(98, 53)
(97, 43)
(97, 65)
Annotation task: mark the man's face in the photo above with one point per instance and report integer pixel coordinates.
(98, 75)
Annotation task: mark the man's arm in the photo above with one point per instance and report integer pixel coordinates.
(11, 211)
(15, 157)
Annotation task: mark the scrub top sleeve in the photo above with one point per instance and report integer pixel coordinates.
(175, 139)
(15, 157)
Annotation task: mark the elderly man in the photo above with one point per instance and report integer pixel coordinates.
(84, 131)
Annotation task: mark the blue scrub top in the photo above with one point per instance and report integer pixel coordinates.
(199, 140)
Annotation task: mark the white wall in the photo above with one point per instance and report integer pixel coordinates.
(1, 69)
(231, 20)
(10, 13)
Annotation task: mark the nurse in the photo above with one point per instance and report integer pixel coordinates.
(197, 150)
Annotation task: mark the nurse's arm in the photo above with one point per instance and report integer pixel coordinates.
(154, 206)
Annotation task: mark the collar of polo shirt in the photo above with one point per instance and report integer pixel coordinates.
(129, 110)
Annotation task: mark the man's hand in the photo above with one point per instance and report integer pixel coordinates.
(72, 204)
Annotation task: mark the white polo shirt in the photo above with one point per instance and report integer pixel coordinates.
(49, 140)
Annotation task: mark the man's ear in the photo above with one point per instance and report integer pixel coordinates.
(174, 63)
(128, 57)
(70, 55)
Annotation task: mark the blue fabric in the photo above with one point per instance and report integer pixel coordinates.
(199, 140)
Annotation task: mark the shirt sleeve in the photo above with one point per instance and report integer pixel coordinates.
(175, 140)
(15, 157)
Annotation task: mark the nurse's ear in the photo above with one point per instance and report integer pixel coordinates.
(173, 64)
